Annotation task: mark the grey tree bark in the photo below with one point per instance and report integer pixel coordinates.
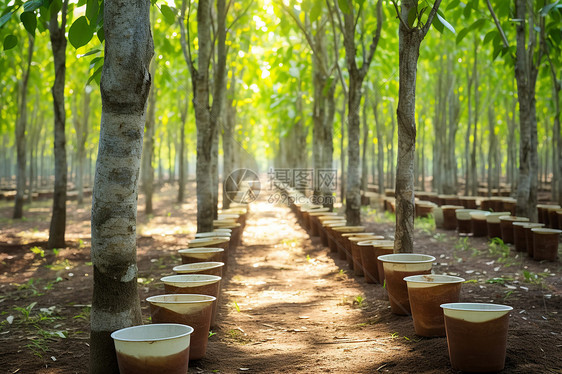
(356, 78)
(58, 42)
(410, 39)
(380, 146)
(81, 126)
(147, 168)
(20, 135)
(228, 135)
(128, 51)
(526, 71)
(219, 91)
(473, 170)
(182, 164)
(556, 88)
(364, 166)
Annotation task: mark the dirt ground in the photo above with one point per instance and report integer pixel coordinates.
(288, 305)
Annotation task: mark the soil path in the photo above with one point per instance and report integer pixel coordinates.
(287, 307)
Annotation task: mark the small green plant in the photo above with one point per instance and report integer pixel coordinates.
(425, 224)
(211, 333)
(38, 251)
(499, 280)
(56, 252)
(499, 249)
(440, 237)
(84, 314)
(463, 244)
(50, 284)
(534, 278)
(236, 306)
(80, 243)
(30, 286)
(359, 299)
(394, 335)
(60, 265)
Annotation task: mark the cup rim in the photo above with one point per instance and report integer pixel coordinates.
(477, 307)
(209, 265)
(201, 298)
(395, 258)
(196, 278)
(187, 330)
(439, 279)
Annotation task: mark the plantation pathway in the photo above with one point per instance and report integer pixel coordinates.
(287, 307)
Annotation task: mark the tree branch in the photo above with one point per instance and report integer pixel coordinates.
(498, 26)
(186, 40)
(239, 16)
(399, 15)
(430, 17)
(336, 48)
(376, 39)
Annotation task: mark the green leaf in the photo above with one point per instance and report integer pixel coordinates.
(548, 8)
(168, 13)
(31, 5)
(344, 6)
(438, 25)
(96, 76)
(412, 15)
(327, 86)
(92, 9)
(490, 36)
(29, 20)
(10, 42)
(91, 52)
(446, 24)
(80, 33)
(316, 10)
(453, 4)
(462, 34)
(467, 11)
(478, 24)
(101, 34)
(5, 18)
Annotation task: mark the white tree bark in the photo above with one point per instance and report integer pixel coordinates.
(125, 85)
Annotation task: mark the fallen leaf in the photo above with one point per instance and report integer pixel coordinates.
(10, 319)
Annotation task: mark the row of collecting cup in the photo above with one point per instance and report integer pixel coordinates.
(476, 332)
(183, 316)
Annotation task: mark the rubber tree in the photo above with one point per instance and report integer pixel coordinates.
(528, 57)
(128, 52)
(20, 133)
(58, 42)
(347, 21)
(410, 38)
(315, 30)
(206, 117)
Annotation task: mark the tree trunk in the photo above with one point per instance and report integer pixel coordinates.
(81, 126)
(128, 51)
(410, 41)
(409, 44)
(353, 194)
(147, 168)
(228, 135)
(58, 42)
(391, 169)
(342, 150)
(364, 166)
(380, 145)
(526, 76)
(20, 135)
(182, 173)
(473, 170)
